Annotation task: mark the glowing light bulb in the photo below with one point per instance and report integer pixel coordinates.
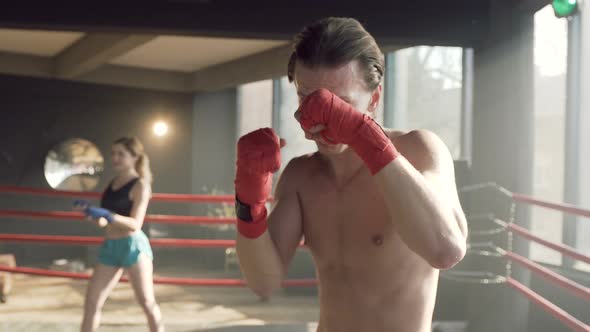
(160, 128)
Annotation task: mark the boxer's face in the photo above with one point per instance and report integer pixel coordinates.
(347, 83)
(121, 158)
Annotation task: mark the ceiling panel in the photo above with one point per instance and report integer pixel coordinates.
(188, 54)
(36, 42)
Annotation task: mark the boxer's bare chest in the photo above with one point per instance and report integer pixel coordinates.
(348, 228)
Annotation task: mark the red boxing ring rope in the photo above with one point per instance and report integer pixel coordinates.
(166, 197)
(95, 240)
(157, 280)
(567, 208)
(572, 286)
(151, 218)
(159, 197)
(565, 250)
(569, 320)
(522, 198)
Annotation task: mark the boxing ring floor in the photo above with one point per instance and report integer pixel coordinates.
(55, 304)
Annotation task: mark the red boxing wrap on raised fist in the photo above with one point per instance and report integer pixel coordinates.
(346, 125)
(258, 157)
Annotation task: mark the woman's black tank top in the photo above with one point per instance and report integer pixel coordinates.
(118, 200)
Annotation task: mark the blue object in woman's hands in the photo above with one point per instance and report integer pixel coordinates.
(98, 212)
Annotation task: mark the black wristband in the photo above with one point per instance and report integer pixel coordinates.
(243, 211)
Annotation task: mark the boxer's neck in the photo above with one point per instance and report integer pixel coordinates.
(344, 165)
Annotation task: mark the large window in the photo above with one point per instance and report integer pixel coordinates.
(254, 106)
(289, 128)
(550, 58)
(427, 92)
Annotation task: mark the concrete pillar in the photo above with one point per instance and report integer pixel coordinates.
(583, 231)
(214, 141)
(573, 125)
(502, 152)
(214, 136)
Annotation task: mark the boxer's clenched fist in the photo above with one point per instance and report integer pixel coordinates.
(258, 157)
(343, 124)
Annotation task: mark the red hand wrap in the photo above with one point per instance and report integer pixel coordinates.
(346, 125)
(258, 157)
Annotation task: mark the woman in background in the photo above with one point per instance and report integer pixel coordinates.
(126, 248)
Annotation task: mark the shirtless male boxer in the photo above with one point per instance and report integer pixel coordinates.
(377, 208)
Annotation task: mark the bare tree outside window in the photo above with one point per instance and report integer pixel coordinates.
(427, 91)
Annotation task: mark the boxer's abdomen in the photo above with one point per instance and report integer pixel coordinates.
(369, 279)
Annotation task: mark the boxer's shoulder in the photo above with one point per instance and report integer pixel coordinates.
(304, 167)
(417, 137)
(300, 166)
(394, 134)
(421, 147)
(295, 171)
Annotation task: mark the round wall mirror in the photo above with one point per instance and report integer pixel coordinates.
(75, 164)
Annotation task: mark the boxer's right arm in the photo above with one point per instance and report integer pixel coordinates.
(264, 260)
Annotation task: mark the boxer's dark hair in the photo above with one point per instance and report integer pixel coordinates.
(336, 41)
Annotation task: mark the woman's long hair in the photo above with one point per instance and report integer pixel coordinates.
(135, 148)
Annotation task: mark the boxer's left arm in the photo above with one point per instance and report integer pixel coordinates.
(419, 187)
(140, 195)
